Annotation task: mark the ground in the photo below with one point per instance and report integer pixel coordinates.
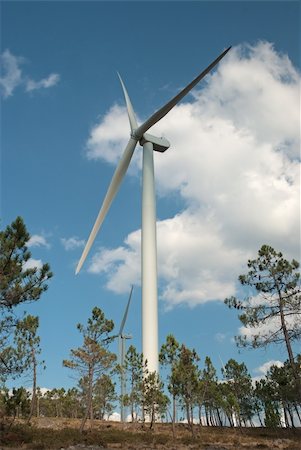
(59, 433)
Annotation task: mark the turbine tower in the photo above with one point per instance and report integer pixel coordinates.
(149, 143)
(121, 357)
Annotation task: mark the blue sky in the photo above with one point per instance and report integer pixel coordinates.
(228, 184)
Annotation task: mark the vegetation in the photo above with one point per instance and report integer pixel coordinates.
(193, 393)
(18, 285)
(92, 359)
(56, 434)
(274, 315)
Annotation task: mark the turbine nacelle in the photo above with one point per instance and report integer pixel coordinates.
(126, 336)
(160, 144)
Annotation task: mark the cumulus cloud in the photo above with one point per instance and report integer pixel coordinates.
(12, 76)
(270, 327)
(234, 162)
(33, 264)
(72, 243)
(37, 240)
(263, 369)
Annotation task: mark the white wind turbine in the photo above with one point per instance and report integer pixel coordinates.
(121, 357)
(148, 233)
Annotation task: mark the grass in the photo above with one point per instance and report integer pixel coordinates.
(62, 433)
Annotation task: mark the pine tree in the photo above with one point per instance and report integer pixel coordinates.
(278, 303)
(92, 359)
(240, 387)
(154, 400)
(18, 285)
(186, 380)
(104, 396)
(134, 367)
(169, 356)
(28, 345)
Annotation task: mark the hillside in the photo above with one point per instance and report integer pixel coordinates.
(52, 433)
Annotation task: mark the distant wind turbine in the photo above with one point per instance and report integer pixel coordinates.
(121, 350)
(148, 234)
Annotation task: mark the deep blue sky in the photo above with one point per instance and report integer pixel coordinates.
(47, 178)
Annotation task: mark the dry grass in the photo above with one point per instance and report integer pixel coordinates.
(53, 433)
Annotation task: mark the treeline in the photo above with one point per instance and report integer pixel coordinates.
(189, 390)
(194, 394)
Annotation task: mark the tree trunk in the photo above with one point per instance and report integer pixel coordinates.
(34, 388)
(89, 401)
(219, 417)
(187, 413)
(288, 346)
(206, 414)
(291, 417)
(152, 417)
(173, 416)
(259, 417)
(297, 412)
(200, 415)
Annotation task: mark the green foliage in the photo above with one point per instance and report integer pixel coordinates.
(169, 357)
(185, 379)
(134, 368)
(18, 285)
(18, 403)
(92, 359)
(278, 284)
(154, 400)
(27, 341)
(58, 402)
(239, 383)
(104, 396)
(278, 303)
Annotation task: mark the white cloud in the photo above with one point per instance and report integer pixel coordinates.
(72, 243)
(12, 77)
(114, 417)
(122, 265)
(37, 240)
(48, 82)
(263, 369)
(11, 74)
(108, 138)
(270, 327)
(33, 264)
(234, 162)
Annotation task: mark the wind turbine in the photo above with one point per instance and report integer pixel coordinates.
(148, 233)
(121, 349)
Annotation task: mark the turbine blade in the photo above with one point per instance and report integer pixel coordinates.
(166, 108)
(131, 113)
(126, 313)
(111, 192)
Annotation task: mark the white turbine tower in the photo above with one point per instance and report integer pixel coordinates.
(148, 234)
(121, 357)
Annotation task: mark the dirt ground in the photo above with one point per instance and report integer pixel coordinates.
(59, 433)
